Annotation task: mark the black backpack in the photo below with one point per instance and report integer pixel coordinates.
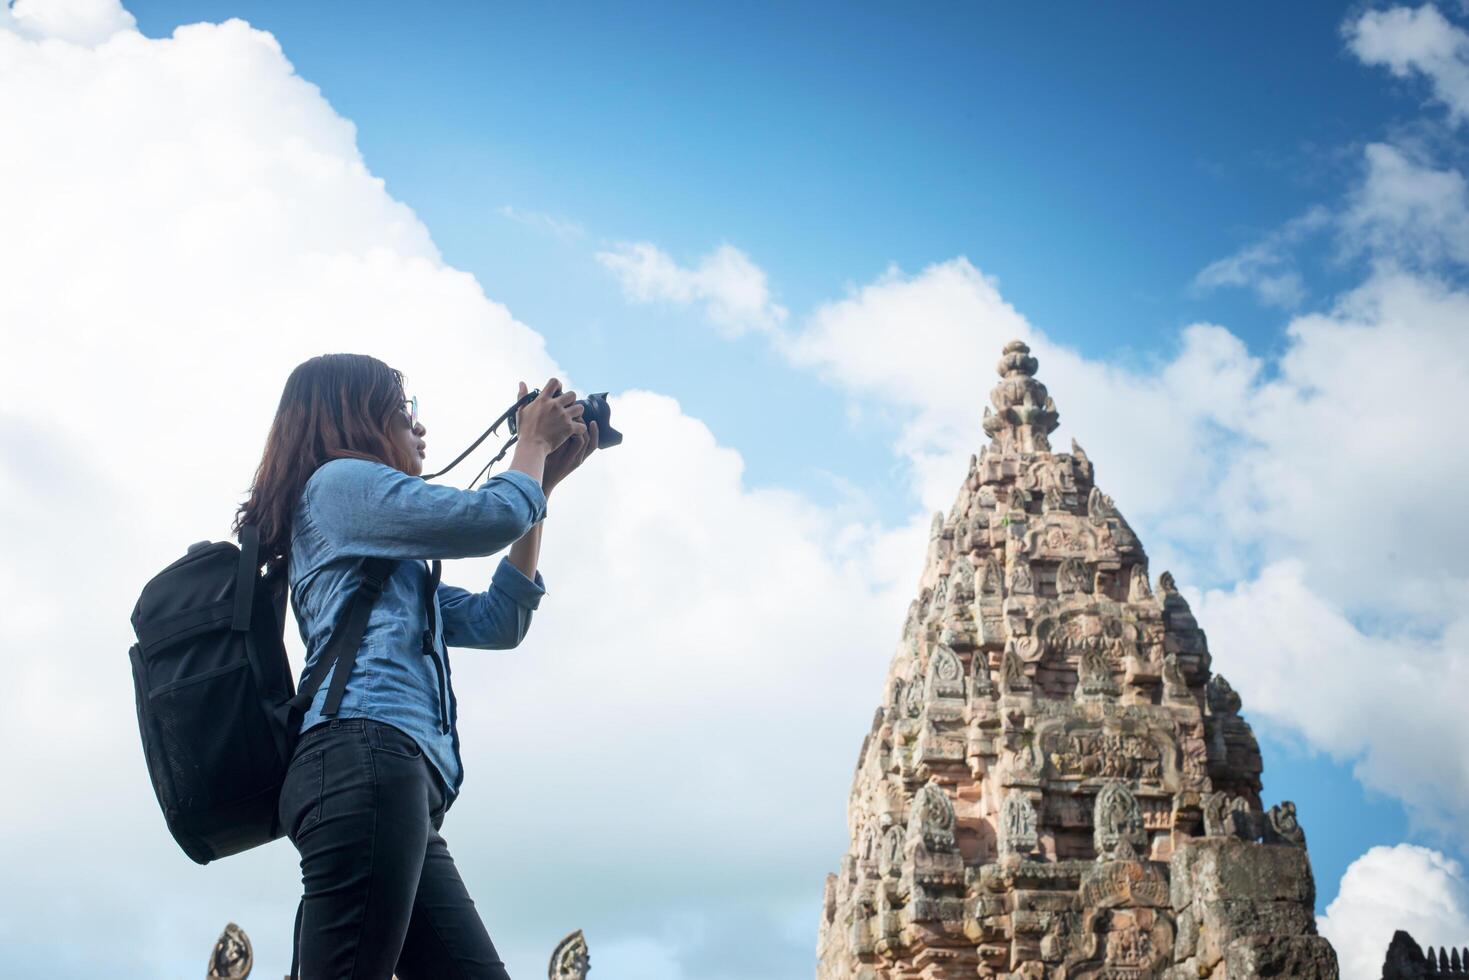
(217, 706)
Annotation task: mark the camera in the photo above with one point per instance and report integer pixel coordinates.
(594, 408)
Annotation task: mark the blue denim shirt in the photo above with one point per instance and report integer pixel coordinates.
(351, 509)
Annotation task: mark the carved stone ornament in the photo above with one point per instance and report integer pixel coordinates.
(1137, 586)
(570, 960)
(1017, 824)
(1117, 832)
(938, 599)
(1099, 507)
(991, 581)
(1166, 583)
(913, 698)
(1175, 687)
(1072, 577)
(1094, 674)
(867, 848)
(1221, 696)
(961, 581)
(1052, 501)
(981, 684)
(1022, 582)
(233, 956)
(932, 817)
(1284, 825)
(890, 855)
(1012, 673)
(1083, 461)
(1214, 807)
(945, 674)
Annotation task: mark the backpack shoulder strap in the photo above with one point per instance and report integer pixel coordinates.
(247, 575)
(346, 638)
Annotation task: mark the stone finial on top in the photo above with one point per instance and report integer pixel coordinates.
(1024, 415)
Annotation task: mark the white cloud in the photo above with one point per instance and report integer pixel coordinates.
(731, 289)
(1407, 212)
(1417, 41)
(1267, 266)
(1390, 888)
(84, 22)
(1402, 213)
(186, 220)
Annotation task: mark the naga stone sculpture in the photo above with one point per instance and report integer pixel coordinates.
(1059, 785)
(570, 960)
(232, 957)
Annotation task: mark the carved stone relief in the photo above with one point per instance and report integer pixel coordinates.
(945, 674)
(1022, 582)
(1175, 687)
(1072, 577)
(1017, 832)
(1137, 585)
(1013, 678)
(932, 818)
(1118, 834)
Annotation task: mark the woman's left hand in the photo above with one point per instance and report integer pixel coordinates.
(571, 454)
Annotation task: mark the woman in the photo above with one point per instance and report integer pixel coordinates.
(367, 790)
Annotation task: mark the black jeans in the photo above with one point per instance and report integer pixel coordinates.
(382, 895)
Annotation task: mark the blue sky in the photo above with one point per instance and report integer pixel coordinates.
(1122, 174)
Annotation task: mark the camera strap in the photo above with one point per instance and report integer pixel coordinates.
(507, 416)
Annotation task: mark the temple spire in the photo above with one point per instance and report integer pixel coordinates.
(1056, 784)
(1024, 415)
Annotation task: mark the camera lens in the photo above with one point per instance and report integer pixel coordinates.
(594, 408)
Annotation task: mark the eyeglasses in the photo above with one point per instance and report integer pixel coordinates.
(410, 411)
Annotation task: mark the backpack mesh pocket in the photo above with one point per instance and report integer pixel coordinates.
(213, 732)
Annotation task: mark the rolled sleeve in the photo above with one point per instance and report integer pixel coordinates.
(535, 497)
(512, 581)
(495, 619)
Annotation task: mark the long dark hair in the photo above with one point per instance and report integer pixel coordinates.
(334, 406)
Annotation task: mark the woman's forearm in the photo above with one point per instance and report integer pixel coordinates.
(527, 551)
(530, 459)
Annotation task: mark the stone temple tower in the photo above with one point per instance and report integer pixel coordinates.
(1056, 784)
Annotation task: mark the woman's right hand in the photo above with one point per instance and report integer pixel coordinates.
(550, 419)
